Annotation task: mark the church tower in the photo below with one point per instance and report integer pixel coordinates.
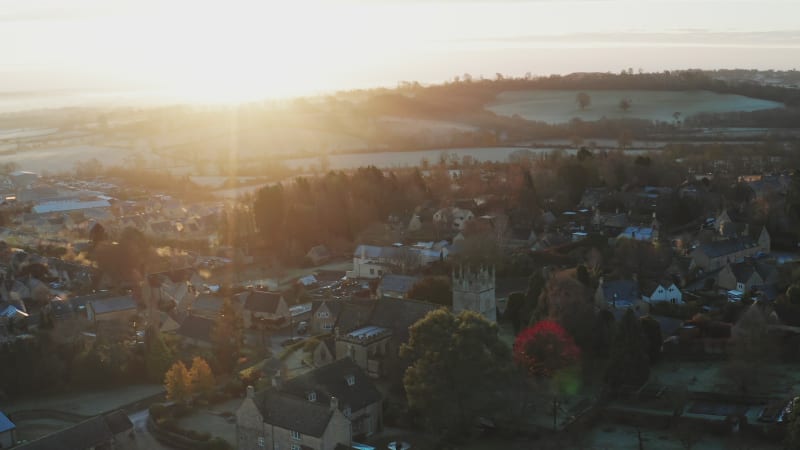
(474, 291)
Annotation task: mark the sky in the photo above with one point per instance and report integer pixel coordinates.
(220, 50)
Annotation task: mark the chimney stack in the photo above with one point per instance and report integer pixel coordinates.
(334, 404)
(251, 392)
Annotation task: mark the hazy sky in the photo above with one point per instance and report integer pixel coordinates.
(239, 49)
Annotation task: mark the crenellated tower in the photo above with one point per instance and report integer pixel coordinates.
(474, 291)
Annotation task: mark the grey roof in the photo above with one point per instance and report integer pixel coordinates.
(398, 283)
(113, 304)
(198, 328)
(90, 433)
(208, 302)
(621, 290)
(375, 252)
(5, 423)
(292, 413)
(353, 314)
(261, 301)
(331, 381)
(507, 286)
(743, 271)
(726, 247)
(399, 314)
(69, 205)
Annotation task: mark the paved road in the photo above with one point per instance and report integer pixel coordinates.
(144, 440)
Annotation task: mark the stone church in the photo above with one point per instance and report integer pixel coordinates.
(474, 291)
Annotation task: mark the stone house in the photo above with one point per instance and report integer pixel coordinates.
(662, 291)
(715, 255)
(396, 286)
(746, 275)
(267, 307)
(120, 308)
(371, 334)
(322, 409)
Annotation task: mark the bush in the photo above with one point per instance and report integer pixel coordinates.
(181, 410)
(157, 411)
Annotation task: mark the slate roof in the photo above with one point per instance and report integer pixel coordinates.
(398, 283)
(113, 304)
(261, 301)
(743, 271)
(331, 381)
(198, 328)
(399, 314)
(353, 315)
(637, 233)
(725, 247)
(375, 252)
(87, 434)
(208, 303)
(291, 413)
(5, 423)
(68, 205)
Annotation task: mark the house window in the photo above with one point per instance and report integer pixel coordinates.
(295, 436)
(261, 441)
(351, 380)
(372, 271)
(327, 326)
(295, 447)
(312, 396)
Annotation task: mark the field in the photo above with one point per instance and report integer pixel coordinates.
(560, 106)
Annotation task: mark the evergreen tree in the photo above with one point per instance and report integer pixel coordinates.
(628, 364)
(226, 338)
(157, 357)
(459, 366)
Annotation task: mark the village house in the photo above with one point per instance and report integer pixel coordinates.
(120, 308)
(321, 409)
(746, 275)
(372, 262)
(715, 255)
(196, 331)
(324, 314)
(453, 218)
(371, 335)
(268, 308)
(664, 290)
(396, 286)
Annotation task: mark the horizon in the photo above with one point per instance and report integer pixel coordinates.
(246, 51)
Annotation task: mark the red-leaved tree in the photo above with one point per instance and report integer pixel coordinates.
(544, 349)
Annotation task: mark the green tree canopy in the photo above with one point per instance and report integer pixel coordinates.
(157, 356)
(628, 364)
(433, 289)
(459, 366)
(226, 337)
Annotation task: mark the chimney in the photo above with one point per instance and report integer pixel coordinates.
(334, 404)
(251, 392)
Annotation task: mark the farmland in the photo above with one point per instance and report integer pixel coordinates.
(559, 106)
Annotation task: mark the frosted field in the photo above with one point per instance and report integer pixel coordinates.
(560, 106)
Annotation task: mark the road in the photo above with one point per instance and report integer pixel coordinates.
(144, 440)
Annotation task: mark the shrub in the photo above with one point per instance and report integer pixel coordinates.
(157, 411)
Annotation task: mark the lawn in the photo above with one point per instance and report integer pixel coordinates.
(560, 106)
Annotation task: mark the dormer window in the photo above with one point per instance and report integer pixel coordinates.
(312, 396)
(351, 380)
